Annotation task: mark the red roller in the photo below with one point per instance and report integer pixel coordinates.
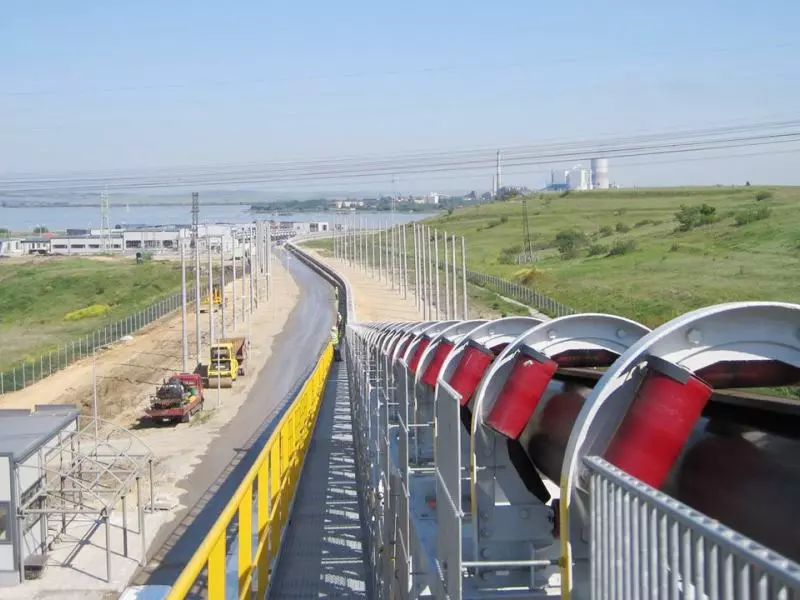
(469, 372)
(652, 434)
(432, 372)
(749, 373)
(421, 346)
(520, 395)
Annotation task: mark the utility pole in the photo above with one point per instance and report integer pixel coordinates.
(222, 280)
(233, 280)
(184, 341)
(251, 259)
(269, 262)
(210, 296)
(196, 238)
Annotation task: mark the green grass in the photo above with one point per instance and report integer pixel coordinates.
(39, 299)
(657, 272)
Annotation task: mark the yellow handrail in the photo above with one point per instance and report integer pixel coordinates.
(275, 473)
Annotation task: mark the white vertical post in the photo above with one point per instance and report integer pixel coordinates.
(184, 341)
(405, 261)
(197, 294)
(424, 276)
(464, 273)
(222, 281)
(436, 267)
(210, 299)
(455, 284)
(233, 282)
(447, 313)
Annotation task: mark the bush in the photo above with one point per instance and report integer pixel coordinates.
(597, 250)
(508, 256)
(689, 217)
(569, 242)
(95, 310)
(675, 247)
(621, 247)
(752, 214)
(622, 227)
(606, 231)
(644, 223)
(763, 195)
(504, 219)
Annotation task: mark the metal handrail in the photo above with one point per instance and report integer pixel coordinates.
(275, 472)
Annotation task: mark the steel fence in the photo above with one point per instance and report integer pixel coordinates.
(520, 293)
(266, 492)
(645, 544)
(31, 371)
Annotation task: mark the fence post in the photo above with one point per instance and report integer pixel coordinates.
(23, 374)
(50, 371)
(2, 384)
(14, 374)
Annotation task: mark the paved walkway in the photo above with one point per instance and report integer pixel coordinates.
(323, 551)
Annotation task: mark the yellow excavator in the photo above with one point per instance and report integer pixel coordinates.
(216, 298)
(226, 364)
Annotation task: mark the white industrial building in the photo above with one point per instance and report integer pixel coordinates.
(558, 177)
(11, 247)
(25, 440)
(578, 179)
(599, 167)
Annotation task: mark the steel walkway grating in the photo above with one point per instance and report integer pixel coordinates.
(323, 551)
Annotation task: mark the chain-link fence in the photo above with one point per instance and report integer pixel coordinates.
(520, 293)
(31, 371)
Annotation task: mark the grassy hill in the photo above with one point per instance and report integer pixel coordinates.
(45, 302)
(638, 253)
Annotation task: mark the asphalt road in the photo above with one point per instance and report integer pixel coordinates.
(232, 453)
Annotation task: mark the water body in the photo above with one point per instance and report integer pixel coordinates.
(82, 217)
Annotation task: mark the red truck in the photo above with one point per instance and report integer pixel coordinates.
(177, 399)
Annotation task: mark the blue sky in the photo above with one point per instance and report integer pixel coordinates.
(106, 85)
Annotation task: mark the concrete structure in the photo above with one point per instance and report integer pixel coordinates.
(25, 439)
(11, 247)
(35, 245)
(578, 179)
(83, 244)
(599, 167)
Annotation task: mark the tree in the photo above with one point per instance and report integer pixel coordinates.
(41, 229)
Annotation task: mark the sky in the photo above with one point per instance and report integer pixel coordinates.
(94, 86)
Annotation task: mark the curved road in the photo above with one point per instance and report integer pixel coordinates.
(232, 453)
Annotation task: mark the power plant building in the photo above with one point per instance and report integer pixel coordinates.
(578, 179)
(599, 167)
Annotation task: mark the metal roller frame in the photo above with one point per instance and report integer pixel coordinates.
(510, 525)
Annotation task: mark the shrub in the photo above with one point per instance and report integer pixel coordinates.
(508, 256)
(752, 214)
(95, 310)
(644, 223)
(606, 231)
(504, 219)
(622, 227)
(621, 247)
(597, 250)
(675, 247)
(763, 195)
(689, 217)
(569, 242)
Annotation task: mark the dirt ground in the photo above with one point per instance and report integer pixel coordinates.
(127, 375)
(374, 299)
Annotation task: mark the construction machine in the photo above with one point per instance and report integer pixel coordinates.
(227, 360)
(216, 299)
(177, 399)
